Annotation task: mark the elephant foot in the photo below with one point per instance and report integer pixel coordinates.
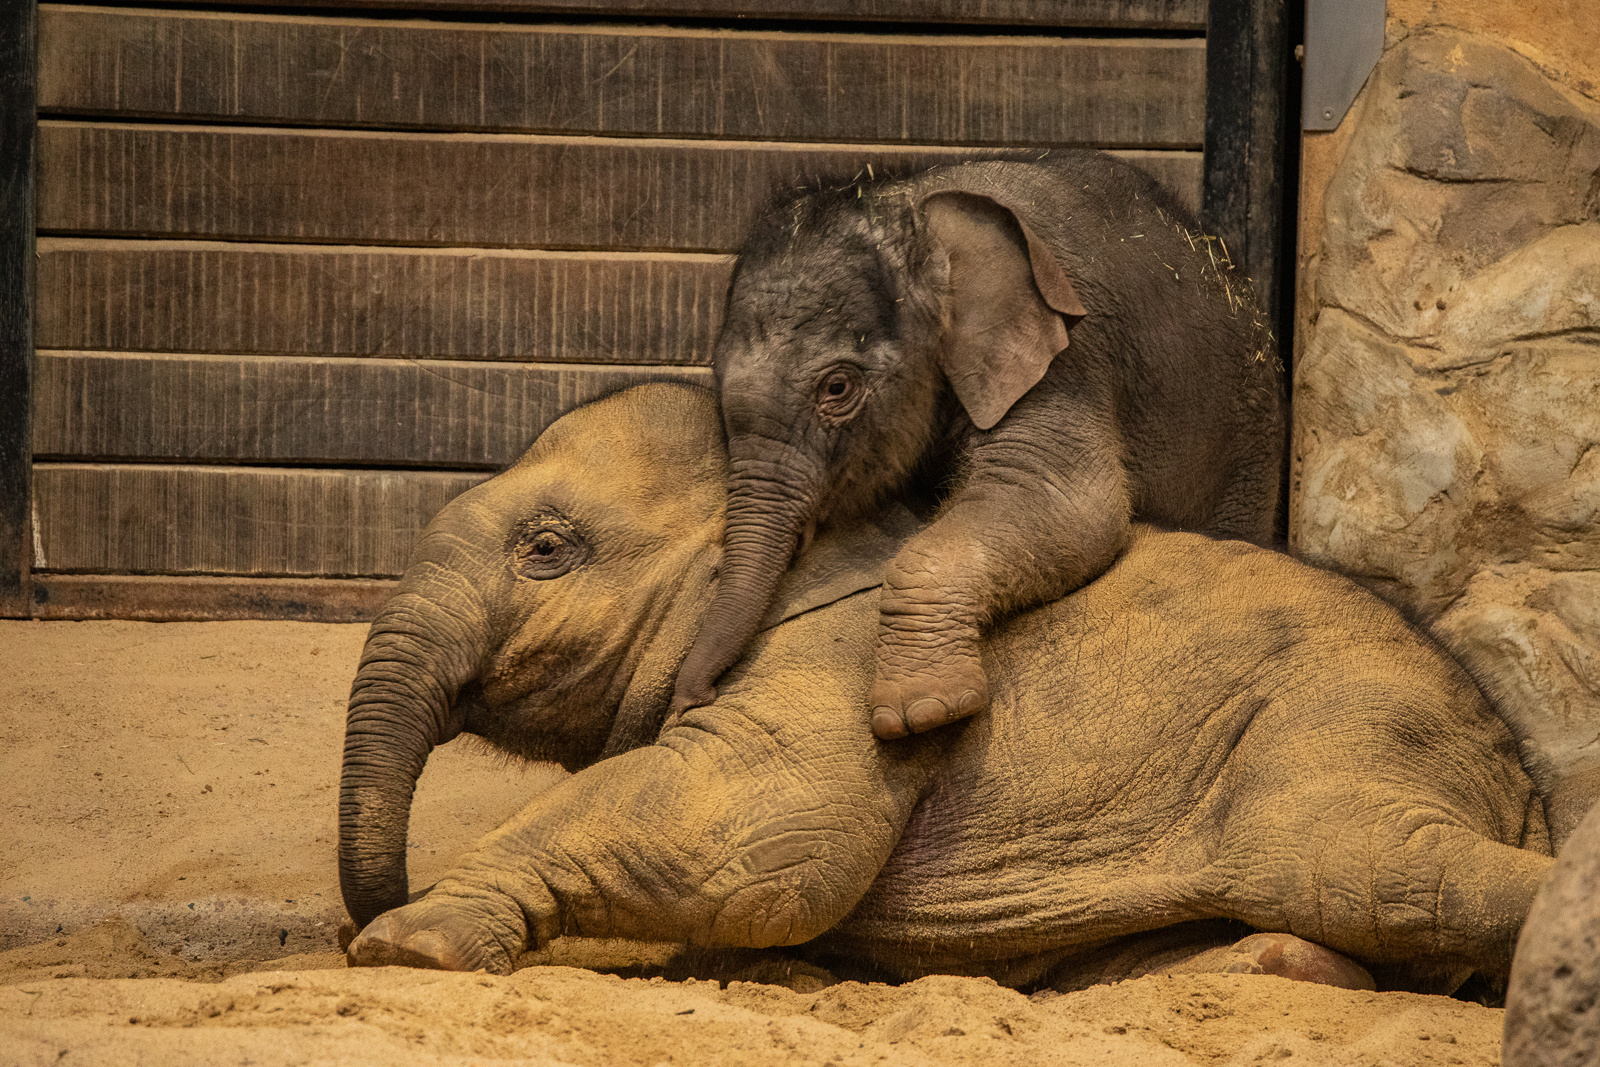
(929, 663)
(911, 702)
(1284, 955)
(426, 935)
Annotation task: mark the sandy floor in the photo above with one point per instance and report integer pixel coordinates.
(169, 896)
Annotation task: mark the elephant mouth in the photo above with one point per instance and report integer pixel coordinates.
(808, 533)
(533, 729)
(548, 707)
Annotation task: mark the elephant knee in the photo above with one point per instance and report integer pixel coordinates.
(787, 886)
(767, 915)
(921, 571)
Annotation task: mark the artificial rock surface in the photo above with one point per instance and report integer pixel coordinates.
(1447, 399)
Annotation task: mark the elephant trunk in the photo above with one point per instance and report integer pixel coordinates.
(770, 504)
(402, 704)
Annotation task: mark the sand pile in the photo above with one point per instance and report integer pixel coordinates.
(169, 897)
(564, 1015)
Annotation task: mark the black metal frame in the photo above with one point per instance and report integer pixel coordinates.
(1252, 137)
(1250, 196)
(18, 121)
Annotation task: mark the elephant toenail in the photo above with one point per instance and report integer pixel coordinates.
(927, 713)
(969, 703)
(887, 724)
(430, 948)
(384, 943)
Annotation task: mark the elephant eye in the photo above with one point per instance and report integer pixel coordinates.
(546, 549)
(838, 392)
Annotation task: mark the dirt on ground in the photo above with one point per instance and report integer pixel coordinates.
(169, 897)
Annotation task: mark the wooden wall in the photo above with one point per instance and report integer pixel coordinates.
(302, 279)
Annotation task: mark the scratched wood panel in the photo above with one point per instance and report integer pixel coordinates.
(487, 190)
(182, 519)
(553, 307)
(160, 598)
(1120, 14)
(309, 410)
(624, 80)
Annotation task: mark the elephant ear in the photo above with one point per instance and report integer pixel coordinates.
(841, 562)
(1007, 306)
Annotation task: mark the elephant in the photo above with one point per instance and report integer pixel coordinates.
(1257, 746)
(1052, 342)
(1553, 999)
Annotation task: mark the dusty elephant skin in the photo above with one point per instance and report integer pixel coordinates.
(1052, 341)
(1253, 741)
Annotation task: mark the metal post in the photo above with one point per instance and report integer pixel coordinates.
(1248, 65)
(18, 119)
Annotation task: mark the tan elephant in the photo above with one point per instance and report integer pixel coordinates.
(1208, 739)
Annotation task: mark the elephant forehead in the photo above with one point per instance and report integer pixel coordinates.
(620, 496)
(658, 432)
(836, 281)
(835, 287)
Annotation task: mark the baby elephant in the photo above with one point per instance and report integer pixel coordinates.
(1256, 744)
(1051, 344)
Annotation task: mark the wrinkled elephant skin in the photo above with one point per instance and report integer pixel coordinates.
(1210, 732)
(1053, 342)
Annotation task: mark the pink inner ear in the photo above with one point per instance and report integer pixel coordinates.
(1004, 325)
(1053, 283)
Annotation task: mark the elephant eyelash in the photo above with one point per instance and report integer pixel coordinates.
(533, 522)
(546, 546)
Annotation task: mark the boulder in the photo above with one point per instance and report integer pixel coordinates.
(1447, 396)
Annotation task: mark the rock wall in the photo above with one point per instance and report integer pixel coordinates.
(1447, 387)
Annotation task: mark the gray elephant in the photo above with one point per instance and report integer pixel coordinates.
(1256, 745)
(1553, 1001)
(919, 329)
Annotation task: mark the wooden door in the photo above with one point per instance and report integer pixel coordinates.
(301, 279)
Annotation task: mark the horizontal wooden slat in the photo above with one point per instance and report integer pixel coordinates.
(305, 410)
(234, 520)
(1138, 14)
(623, 80)
(151, 598)
(556, 307)
(499, 190)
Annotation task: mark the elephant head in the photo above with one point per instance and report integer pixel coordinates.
(545, 610)
(859, 321)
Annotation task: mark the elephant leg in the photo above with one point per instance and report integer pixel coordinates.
(1403, 888)
(1136, 955)
(929, 663)
(719, 835)
(1480, 898)
(1039, 511)
(1211, 946)
(1284, 955)
(443, 933)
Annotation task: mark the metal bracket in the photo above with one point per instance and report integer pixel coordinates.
(1344, 39)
